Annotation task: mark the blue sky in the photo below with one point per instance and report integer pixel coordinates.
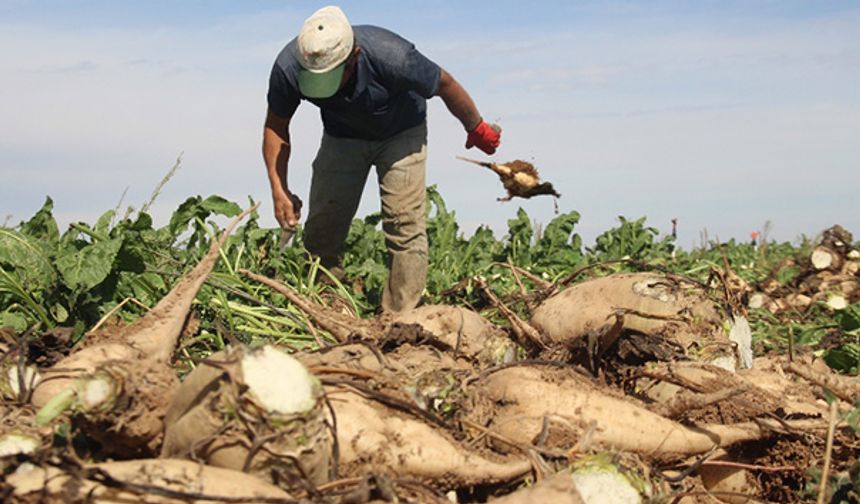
(723, 114)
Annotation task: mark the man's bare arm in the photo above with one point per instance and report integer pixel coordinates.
(458, 101)
(276, 155)
(480, 134)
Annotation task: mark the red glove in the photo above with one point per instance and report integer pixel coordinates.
(485, 136)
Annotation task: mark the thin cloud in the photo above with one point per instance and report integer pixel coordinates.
(634, 112)
(79, 67)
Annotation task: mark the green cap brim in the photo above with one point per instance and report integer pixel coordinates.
(320, 85)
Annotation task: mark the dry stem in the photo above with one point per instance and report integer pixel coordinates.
(523, 330)
(683, 403)
(751, 467)
(825, 471)
(844, 390)
(334, 323)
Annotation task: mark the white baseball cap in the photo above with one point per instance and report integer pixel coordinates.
(324, 44)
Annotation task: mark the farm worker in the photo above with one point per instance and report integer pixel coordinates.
(371, 86)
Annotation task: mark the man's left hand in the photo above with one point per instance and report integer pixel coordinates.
(485, 137)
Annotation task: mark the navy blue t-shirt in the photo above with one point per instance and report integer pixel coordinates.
(386, 95)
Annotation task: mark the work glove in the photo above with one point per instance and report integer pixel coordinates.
(485, 137)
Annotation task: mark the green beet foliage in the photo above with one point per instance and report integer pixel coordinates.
(122, 265)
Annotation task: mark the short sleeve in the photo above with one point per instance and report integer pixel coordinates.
(418, 73)
(283, 98)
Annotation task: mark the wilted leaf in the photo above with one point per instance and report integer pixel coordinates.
(196, 210)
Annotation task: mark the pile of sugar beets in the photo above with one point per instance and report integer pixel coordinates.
(626, 388)
(828, 275)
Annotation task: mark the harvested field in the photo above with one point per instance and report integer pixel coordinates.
(727, 374)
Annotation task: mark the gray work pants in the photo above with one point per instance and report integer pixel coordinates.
(339, 174)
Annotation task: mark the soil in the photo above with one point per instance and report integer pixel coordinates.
(413, 404)
(133, 428)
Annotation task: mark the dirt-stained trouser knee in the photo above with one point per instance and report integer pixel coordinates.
(339, 174)
(400, 168)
